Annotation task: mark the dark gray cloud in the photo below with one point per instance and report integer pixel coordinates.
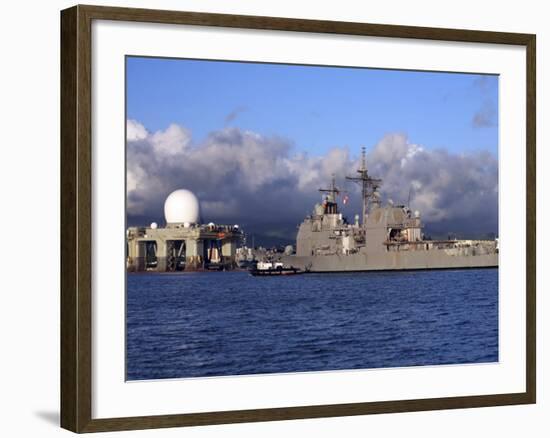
(482, 82)
(234, 114)
(487, 115)
(455, 193)
(267, 187)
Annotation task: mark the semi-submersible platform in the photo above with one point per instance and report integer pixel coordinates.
(184, 243)
(387, 237)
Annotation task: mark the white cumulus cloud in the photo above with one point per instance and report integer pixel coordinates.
(264, 183)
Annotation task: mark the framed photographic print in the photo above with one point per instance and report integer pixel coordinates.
(269, 218)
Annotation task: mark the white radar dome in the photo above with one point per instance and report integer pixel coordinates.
(181, 206)
(154, 225)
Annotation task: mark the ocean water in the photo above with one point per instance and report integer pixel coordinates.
(230, 323)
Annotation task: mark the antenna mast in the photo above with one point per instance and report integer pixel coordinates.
(331, 205)
(368, 184)
(333, 191)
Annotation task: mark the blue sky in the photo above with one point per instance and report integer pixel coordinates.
(316, 108)
(234, 133)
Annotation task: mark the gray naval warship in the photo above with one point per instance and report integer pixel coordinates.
(386, 238)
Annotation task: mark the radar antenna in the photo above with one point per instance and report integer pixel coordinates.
(330, 203)
(368, 185)
(333, 191)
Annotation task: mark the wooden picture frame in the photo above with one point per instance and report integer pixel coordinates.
(76, 218)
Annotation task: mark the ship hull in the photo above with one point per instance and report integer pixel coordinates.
(391, 261)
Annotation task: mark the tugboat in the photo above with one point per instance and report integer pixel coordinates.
(268, 269)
